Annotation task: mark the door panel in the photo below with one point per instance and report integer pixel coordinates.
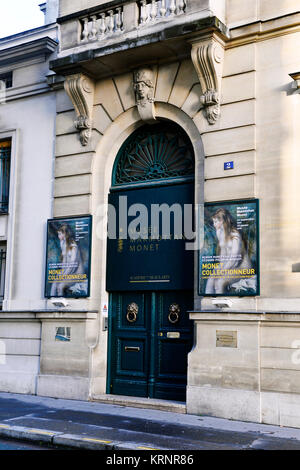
(129, 345)
(132, 354)
(174, 341)
(146, 264)
(148, 351)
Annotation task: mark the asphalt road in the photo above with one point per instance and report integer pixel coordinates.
(137, 428)
(16, 445)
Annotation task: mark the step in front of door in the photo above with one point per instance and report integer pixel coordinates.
(147, 403)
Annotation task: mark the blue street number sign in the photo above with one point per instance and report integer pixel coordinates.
(228, 166)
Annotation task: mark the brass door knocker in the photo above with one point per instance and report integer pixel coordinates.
(174, 312)
(132, 311)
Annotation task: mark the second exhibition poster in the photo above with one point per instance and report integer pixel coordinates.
(229, 258)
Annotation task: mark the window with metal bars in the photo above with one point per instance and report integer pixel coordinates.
(5, 153)
(2, 272)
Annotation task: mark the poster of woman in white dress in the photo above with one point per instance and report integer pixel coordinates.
(68, 257)
(229, 257)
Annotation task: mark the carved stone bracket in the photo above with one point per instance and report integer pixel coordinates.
(208, 58)
(80, 89)
(143, 85)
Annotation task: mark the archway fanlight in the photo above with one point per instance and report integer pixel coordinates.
(154, 152)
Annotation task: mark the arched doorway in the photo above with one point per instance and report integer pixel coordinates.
(150, 272)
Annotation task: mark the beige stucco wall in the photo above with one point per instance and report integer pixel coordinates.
(258, 130)
(278, 166)
(27, 117)
(237, 11)
(258, 380)
(240, 12)
(64, 365)
(83, 174)
(67, 7)
(20, 342)
(263, 115)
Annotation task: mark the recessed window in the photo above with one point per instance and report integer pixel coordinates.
(5, 155)
(7, 78)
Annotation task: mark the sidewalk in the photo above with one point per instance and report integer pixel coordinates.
(99, 426)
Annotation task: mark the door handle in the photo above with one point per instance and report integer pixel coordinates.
(132, 348)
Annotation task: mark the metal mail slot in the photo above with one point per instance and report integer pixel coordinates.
(132, 348)
(173, 334)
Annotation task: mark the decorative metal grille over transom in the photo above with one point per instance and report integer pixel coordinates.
(154, 152)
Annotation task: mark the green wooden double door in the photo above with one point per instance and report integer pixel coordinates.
(151, 338)
(150, 269)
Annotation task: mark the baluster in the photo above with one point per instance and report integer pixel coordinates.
(180, 7)
(172, 7)
(153, 12)
(85, 31)
(111, 22)
(119, 19)
(93, 35)
(102, 28)
(163, 9)
(144, 14)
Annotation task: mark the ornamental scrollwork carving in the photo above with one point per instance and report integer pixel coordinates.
(80, 89)
(208, 57)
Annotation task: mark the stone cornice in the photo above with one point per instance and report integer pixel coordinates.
(23, 52)
(264, 30)
(49, 30)
(245, 316)
(26, 90)
(34, 315)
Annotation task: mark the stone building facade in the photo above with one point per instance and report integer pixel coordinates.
(27, 137)
(222, 78)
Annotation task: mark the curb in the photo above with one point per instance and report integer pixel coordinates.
(27, 434)
(73, 441)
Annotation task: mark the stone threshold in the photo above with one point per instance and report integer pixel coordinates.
(139, 402)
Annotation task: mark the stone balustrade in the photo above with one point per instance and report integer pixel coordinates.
(101, 25)
(107, 23)
(155, 10)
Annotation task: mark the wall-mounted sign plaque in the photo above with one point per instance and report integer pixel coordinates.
(226, 339)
